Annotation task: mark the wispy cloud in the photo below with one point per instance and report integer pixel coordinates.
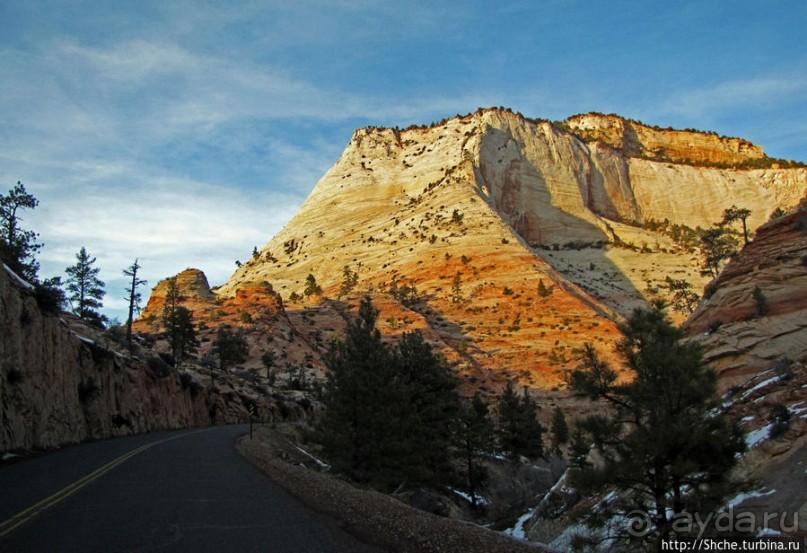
(169, 225)
(186, 133)
(760, 93)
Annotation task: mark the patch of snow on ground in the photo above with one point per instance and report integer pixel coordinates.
(747, 419)
(517, 531)
(467, 497)
(797, 411)
(7, 456)
(21, 281)
(761, 385)
(745, 496)
(317, 461)
(768, 532)
(756, 436)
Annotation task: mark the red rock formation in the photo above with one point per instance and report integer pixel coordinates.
(744, 331)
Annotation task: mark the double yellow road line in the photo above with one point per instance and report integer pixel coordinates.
(11, 524)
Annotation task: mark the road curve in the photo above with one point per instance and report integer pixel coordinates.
(186, 490)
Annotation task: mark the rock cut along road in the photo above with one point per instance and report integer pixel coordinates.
(186, 490)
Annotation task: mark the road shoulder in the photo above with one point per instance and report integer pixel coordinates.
(371, 516)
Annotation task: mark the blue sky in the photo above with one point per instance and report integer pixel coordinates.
(185, 133)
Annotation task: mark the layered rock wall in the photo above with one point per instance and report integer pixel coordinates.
(680, 146)
(756, 312)
(62, 385)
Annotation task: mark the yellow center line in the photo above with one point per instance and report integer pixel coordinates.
(10, 524)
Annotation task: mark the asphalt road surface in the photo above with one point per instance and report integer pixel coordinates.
(186, 490)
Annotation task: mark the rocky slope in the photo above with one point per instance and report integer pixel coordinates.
(755, 314)
(479, 213)
(62, 381)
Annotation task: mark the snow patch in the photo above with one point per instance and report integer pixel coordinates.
(761, 385)
(745, 496)
(21, 281)
(768, 532)
(467, 497)
(322, 464)
(517, 531)
(797, 411)
(756, 436)
(84, 339)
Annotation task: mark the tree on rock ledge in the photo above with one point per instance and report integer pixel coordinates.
(663, 444)
(85, 289)
(18, 246)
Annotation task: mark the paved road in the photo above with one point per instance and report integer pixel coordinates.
(168, 491)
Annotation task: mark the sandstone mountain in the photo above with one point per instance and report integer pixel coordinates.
(509, 241)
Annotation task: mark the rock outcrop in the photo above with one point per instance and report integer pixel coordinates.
(756, 311)
(634, 139)
(62, 381)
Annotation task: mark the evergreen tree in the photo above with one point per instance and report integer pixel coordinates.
(430, 405)
(543, 291)
(717, 245)
(519, 432)
(386, 408)
(735, 213)
(18, 246)
(311, 286)
(50, 296)
(456, 288)
(684, 300)
(560, 430)
(133, 297)
(178, 323)
(349, 281)
(760, 301)
(474, 440)
(662, 444)
(355, 425)
(85, 289)
(230, 347)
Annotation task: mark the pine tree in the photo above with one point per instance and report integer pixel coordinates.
(663, 444)
(735, 213)
(560, 430)
(18, 246)
(684, 300)
(355, 427)
(474, 440)
(178, 323)
(430, 405)
(386, 408)
(85, 289)
(311, 286)
(230, 347)
(349, 281)
(519, 432)
(133, 297)
(717, 245)
(456, 288)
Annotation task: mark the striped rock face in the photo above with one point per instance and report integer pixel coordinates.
(523, 239)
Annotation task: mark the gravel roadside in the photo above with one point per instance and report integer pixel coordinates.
(372, 516)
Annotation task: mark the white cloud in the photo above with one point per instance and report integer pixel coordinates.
(169, 224)
(760, 93)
